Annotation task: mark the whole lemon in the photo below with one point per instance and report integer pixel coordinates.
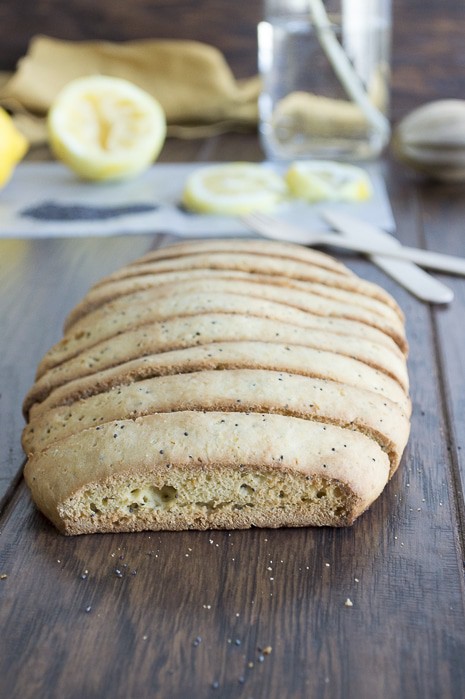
(13, 146)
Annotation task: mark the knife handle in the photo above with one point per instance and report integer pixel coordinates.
(409, 275)
(424, 258)
(414, 279)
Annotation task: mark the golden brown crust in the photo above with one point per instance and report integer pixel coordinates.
(236, 246)
(183, 333)
(294, 359)
(111, 290)
(229, 390)
(204, 469)
(258, 264)
(186, 299)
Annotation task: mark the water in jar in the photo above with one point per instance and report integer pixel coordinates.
(306, 109)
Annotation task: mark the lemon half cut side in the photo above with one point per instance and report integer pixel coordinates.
(326, 180)
(106, 128)
(233, 189)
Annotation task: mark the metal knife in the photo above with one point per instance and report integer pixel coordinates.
(408, 274)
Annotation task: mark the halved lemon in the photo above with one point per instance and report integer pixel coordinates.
(13, 146)
(233, 189)
(320, 180)
(106, 128)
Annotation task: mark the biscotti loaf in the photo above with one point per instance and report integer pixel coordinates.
(220, 384)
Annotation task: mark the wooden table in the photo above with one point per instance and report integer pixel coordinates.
(258, 613)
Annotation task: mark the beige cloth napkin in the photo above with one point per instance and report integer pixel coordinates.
(191, 80)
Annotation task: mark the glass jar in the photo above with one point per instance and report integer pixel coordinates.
(325, 78)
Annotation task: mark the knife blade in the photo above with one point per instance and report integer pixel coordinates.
(408, 274)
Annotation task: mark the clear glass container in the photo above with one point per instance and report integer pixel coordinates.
(325, 74)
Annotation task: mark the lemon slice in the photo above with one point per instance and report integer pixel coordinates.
(319, 180)
(13, 146)
(233, 189)
(106, 128)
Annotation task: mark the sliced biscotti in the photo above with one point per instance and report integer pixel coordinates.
(257, 264)
(180, 333)
(220, 384)
(233, 257)
(194, 470)
(224, 296)
(232, 254)
(381, 316)
(231, 390)
(111, 290)
(281, 251)
(225, 355)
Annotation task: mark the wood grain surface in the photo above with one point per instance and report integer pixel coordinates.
(259, 613)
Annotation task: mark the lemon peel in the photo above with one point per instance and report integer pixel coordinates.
(326, 180)
(106, 128)
(233, 189)
(13, 146)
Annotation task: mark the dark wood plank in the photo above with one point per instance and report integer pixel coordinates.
(189, 614)
(134, 634)
(139, 636)
(443, 212)
(40, 281)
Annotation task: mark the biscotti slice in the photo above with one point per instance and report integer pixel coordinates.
(294, 359)
(182, 333)
(382, 317)
(113, 289)
(184, 299)
(220, 384)
(194, 470)
(257, 264)
(282, 251)
(238, 390)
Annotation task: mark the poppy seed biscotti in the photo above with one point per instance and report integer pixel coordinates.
(220, 384)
